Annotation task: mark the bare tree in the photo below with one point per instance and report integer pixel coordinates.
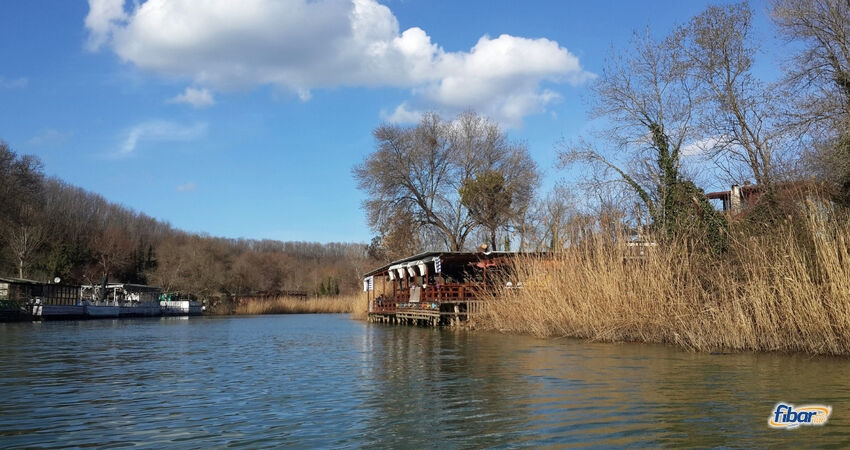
(820, 73)
(21, 197)
(399, 237)
(554, 213)
(648, 101)
(738, 117)
(112, 249)
(650, 104)
(417, 172)
(24, 236)
(819, 77)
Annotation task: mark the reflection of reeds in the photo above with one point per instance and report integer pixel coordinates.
(290, 305)
(786, 291)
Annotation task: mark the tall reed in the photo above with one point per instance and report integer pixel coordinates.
(787, 290)
(291, 305)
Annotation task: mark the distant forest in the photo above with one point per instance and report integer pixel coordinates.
(50, 229)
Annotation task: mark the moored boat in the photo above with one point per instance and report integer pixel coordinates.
(180, 308)
(139, 309)
(49, 311)
(101, 308)
(42, 300)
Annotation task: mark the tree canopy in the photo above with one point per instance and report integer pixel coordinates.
(416, 175)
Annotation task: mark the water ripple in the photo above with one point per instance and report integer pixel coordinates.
(326, 381)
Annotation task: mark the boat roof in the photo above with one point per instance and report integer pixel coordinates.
(14, 280)
(19, 280)
(446, 257)
(125, 286)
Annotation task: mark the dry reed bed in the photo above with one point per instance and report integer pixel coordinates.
(354, 304)
(779, 293)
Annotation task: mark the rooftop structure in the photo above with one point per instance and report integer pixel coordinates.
(738, 199)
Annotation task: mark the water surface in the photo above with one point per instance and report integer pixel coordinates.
(327, 381)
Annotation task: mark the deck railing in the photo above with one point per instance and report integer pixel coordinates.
(428, 297)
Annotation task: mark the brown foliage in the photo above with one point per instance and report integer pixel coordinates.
(786, 290)
(354, 304)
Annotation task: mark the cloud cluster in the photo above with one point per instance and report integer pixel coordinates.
(16, 83)
(704, 146)
(198, 98)
(50, 137)
(159, 131)
(301, 45)
(187, 187)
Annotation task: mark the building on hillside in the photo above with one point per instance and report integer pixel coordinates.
(739, 199)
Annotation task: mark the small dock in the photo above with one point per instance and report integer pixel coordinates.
(444, 313)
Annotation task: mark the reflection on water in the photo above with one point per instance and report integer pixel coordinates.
(320, 381)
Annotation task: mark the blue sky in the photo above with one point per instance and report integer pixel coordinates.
(245, 119)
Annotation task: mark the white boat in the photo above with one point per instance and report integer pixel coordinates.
(121, 300)
(181, 308)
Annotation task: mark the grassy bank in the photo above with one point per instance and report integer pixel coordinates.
(787, 290)
(290, 305)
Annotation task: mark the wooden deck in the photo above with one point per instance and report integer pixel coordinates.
(435, 313)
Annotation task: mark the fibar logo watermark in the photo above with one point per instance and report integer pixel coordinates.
(786, 416)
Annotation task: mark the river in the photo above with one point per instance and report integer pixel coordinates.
(328, 381)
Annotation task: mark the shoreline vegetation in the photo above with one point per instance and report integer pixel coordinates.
(344, 304)
(636, 248)
(787, 290)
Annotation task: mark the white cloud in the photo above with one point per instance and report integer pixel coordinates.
(300, 45)
(702, 146)
(16, 83)
(404, 114)
(188, 187)
(159, 131)
(50, 137)
(198, 98)
(104, 17)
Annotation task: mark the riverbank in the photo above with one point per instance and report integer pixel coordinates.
(354, 304)
(786, 291)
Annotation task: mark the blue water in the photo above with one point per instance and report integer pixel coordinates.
(328, 381)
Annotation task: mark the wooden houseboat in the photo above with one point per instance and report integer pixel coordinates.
(433, 288)
(39, 299)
